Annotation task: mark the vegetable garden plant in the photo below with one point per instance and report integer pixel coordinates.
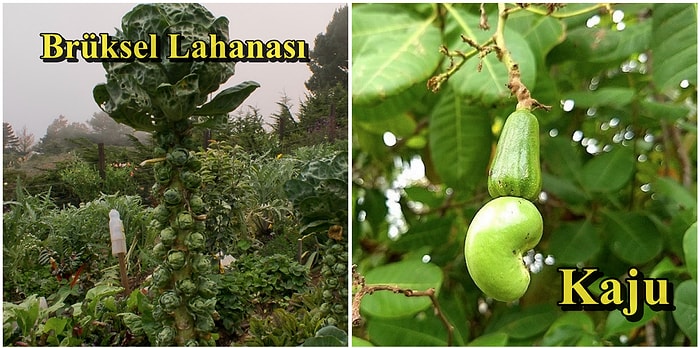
(169, 99)
(483, 131)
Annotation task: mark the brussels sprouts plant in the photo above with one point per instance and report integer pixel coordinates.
(169, 100)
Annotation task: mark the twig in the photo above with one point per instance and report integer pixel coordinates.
(359, 281)
(483, 18)
(686, 167)
(551, 10)
(515, 85)
(435, 82)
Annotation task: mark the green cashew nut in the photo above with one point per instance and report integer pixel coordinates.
(501, 231)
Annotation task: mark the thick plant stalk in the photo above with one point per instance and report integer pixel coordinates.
(186, 267)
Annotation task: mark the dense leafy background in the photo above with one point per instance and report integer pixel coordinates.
(618, 157)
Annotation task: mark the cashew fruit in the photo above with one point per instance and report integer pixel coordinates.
(501, 231)
(515, 170)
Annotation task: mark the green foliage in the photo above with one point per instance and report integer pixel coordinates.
(33, 322)
(328, 336)
(319, 193)
(83, 180)
(617, 151)
(35, 233)
(257, 284)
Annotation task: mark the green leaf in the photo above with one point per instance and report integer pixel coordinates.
(604, 96)
(656, 111)
(612, 45)
(459, 133)
(393, 48)
(431, 233)
(571, 329)
(332, 331)
(675, 192)
(496, 339)
(489, 85)
(563, 188)
(403, 332)
(686, 313)
(227, 100)
(674, 45)
(609, 171)
(562, 157)
(690, 250)
(617, 323)
(525, 322)
(413, 275)
(178, 101)
(390, 114)
(666, 269)
(56, 324)
(633, 237)
(574, 242)
(358, 342)
(542, 33)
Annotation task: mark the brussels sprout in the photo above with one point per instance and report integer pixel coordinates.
(207, 342)
(178, 157)
(338, 309)
(201, 306)
(161, 213)
(195, 241)
(163, 173)
(208, 288)
(158, 313)
(192, 181)
(184, 221)
(197, 204)
(186, 287)
(332, 282)
(160, 250)
(166, 336)
(161, 277)
(340, 268)
(201, 264)
(342, 257)
(329, 260)
(168, 236)
(325, 308)
(204, 323)
(192, 342)
(170, 300)
(336, 248)
(327, 295)
(176, 259)
(172, 196)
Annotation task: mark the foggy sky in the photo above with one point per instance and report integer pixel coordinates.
(35, 93)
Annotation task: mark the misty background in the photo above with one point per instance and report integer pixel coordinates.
(36, 93)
